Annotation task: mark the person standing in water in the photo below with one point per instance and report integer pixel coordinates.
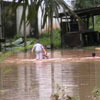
(39, 50)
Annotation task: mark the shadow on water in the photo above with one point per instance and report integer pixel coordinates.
(35, 81)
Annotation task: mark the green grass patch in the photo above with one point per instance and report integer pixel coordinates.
(4, 55)
(45, 38)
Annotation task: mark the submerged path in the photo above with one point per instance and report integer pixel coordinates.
(58, 60)
(56, 56)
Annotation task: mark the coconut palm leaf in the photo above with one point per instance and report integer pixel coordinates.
(51, 7)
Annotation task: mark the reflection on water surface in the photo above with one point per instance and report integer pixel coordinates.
(35, 81)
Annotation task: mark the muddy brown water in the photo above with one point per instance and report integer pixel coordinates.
(24, 78)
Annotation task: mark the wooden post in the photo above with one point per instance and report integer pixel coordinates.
(61, 34)
(24, 31)
(93, 21)
(1, 35)
(87, 22)
(51, 35)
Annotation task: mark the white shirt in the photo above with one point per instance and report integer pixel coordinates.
(38, 47)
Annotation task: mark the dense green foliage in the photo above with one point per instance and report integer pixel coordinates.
(5, 55)
(45, 38)
(86, 3)
(97, 23)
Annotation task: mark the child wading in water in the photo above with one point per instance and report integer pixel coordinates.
(39, 50)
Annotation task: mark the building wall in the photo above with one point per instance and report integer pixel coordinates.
(46, 28)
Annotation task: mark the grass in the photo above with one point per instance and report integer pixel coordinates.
(9, 53)
(45, 38)
(4, 55)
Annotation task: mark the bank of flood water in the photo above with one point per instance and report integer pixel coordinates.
(23, 78)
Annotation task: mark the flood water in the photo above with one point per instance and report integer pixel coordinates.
(23, 78)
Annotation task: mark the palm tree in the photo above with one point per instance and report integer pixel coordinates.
(48, 8)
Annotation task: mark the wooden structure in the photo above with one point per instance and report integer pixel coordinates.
(71, 36)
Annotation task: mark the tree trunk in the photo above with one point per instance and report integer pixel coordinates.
(51, 25)
(35, 25)
(24, 34)
(51, 33)
(24, 31)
